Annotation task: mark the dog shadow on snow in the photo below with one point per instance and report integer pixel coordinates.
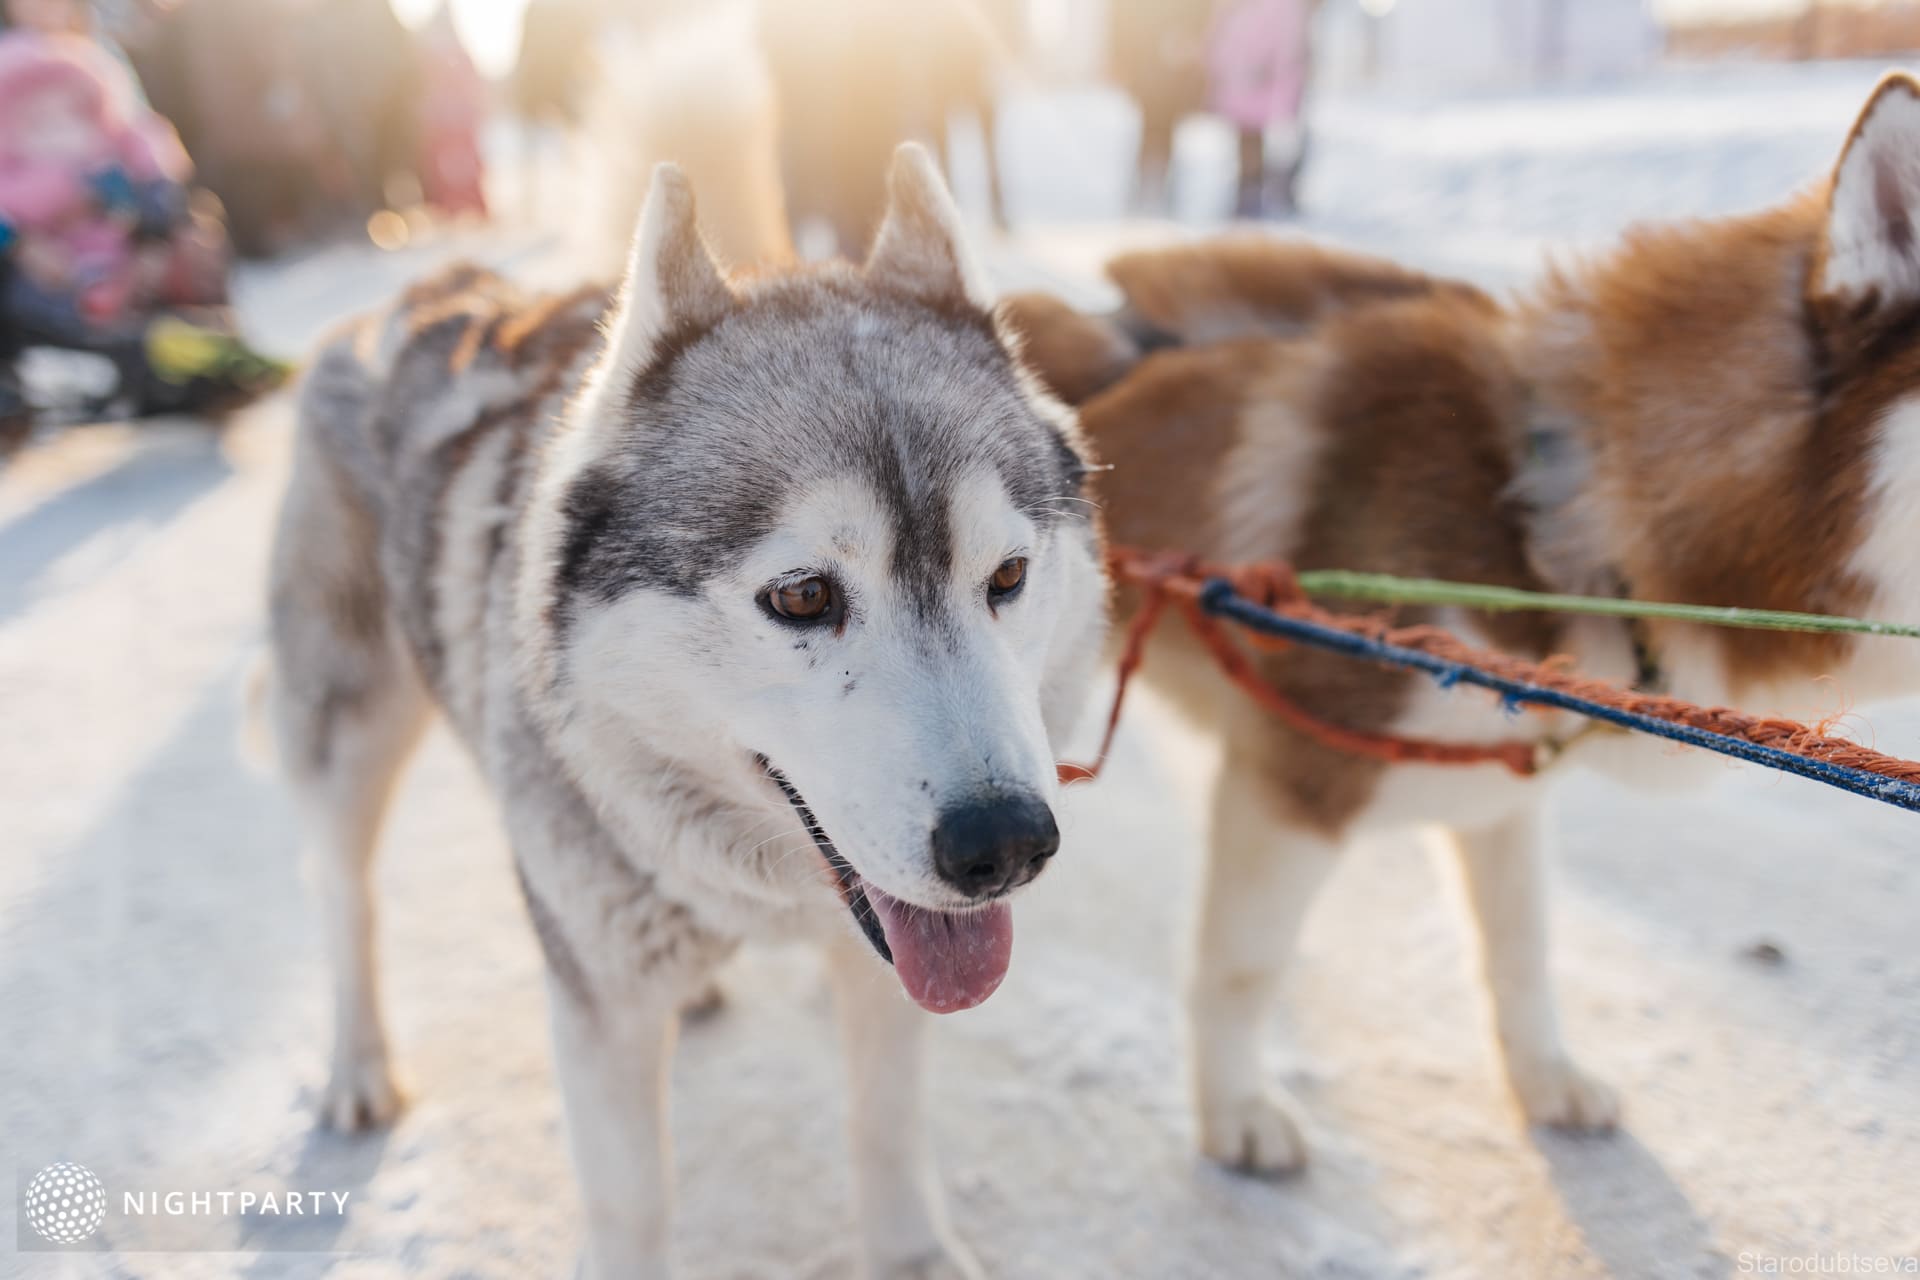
(1631, 1214)
(112, 512)
(183, 895)
(342, 1163)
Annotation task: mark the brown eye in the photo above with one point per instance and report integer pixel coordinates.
(801, 599)
(1007, 578)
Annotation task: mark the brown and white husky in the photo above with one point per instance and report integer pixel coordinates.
(1723, 412)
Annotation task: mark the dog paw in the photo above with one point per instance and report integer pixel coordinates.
(360, 1096)
(1559, 1094)
(1256, 1135)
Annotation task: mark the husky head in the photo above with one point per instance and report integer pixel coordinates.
(817, 540)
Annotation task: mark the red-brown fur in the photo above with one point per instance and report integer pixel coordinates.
(1728, 405)
(1714, 412)
(1413, 402)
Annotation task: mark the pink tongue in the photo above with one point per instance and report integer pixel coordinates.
(947, 960)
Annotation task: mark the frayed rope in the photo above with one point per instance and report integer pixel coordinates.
(1267, 602)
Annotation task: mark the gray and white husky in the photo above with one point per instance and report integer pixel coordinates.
(759, 603)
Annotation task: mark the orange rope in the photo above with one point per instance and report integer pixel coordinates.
(1272, 586)
(1164, 576)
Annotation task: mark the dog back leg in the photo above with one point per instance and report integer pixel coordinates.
(1262, 874)
(1505, 881)
(343, 803)
(347, 708)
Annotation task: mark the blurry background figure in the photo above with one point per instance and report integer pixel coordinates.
(48, 17)
(550, 75)
(853, 78)
(693, 88)
(1246, 61)
(301, 114)
(453, 106)
(99, 230)
(231, 75)
(554, 69)
(842, 85)
(1156, 49)
(85, 177)
(966, 51)
(364, 71)
(787, 111)
(1257, 62)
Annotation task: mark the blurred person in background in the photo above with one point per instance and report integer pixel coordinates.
(453, 107)
(548, 89)
(48, 17)
(839, 87)
(1157, 52)
(1257, 63)
(963, 49)
(99, 231)
(364, 69)
(854, 78)
(691, 87)
(230, 74)
(301, 114)
(800, 104)
(550, 76)
(85, 176)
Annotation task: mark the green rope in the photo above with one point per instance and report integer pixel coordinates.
(1387, 589)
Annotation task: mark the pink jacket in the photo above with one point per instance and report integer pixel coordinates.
(38, 191)
(1257, 61)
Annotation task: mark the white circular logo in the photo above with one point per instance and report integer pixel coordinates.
(66, 1203)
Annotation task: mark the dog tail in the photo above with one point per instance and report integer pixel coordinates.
(1220, 290)
(695, 91)
(1249, 286)
(256, 733)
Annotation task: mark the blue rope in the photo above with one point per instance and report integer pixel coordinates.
(1219, 597)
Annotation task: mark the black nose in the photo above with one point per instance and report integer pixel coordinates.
(994, 842)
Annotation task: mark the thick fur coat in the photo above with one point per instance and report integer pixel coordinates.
(759, 603)
(1723, 413)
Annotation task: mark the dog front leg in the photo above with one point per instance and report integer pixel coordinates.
(1262, 875)
(1506, 881)
(904, 1231)
(612, 1063)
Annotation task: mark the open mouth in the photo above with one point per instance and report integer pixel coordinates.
(946, 960)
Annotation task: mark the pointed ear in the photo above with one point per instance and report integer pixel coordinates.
(672, 283)
(920, 248)
(1873, 212)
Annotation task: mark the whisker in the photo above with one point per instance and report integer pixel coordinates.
(788, 834)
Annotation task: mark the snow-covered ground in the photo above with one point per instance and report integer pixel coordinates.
(161, 995)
